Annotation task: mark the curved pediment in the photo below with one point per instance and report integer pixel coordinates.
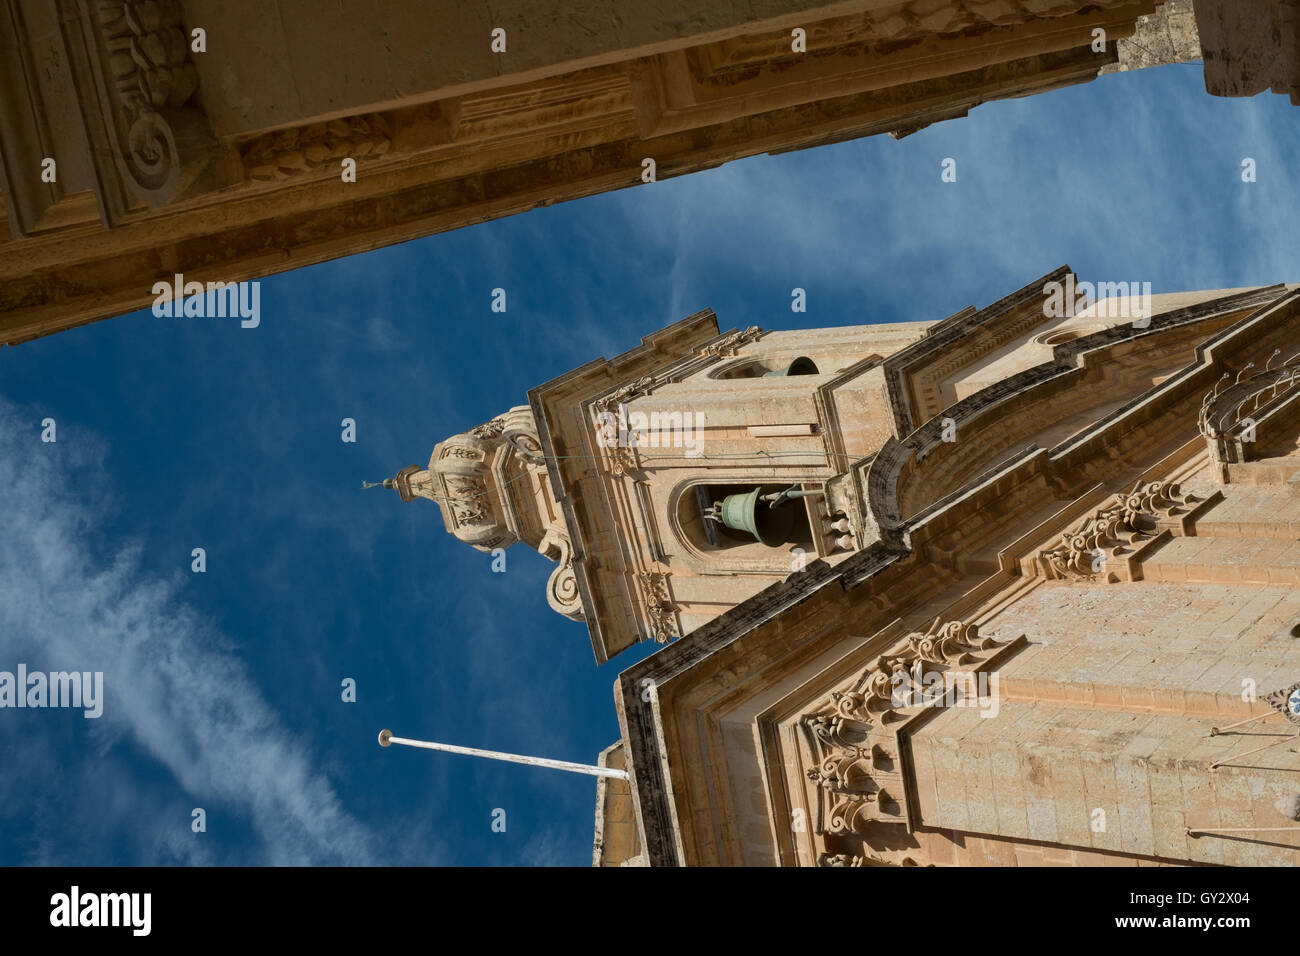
(1090, 379)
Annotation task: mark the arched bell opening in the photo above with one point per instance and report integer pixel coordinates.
(741, 515)
(770, 368)
(803, 365)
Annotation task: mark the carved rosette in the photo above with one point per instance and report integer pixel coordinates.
(1114, 529)
(145, 52)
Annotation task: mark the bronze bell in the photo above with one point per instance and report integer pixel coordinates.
(772, 526)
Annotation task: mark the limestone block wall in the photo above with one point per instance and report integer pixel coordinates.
(1102, 743)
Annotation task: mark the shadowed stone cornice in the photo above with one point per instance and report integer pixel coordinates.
(231, 224)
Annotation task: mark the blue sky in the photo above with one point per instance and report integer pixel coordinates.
(223, 688)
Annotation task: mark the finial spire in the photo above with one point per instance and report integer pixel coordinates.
(386, 483)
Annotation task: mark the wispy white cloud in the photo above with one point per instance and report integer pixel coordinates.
(1134, 176)
(172, 688)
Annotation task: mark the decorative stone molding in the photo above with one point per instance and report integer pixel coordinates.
(857, 772)
(562, 586)
(1231, 416)
(305, 149)
(852, 860)
(852, 794)
(625, 393)
(659, 605)
(145, 58)
(730, 344)
(1114, 531)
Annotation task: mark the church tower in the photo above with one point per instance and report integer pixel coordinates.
(1016, 587)
(679, 479)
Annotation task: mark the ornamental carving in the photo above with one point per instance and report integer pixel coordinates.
(456, 451)
(730, 344)
(467, 497)
(146, 59)
(854, 746)
(1228, 407)
(621, 460)
(1114, 530)
(492, 429)
(951, 643)
(562, 586)
(303, 149)
(659, 606)
(625, 393)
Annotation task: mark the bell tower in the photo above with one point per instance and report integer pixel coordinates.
(673, 482)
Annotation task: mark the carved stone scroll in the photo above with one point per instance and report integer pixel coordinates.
(562, 586)
(1114, 530)
(659, 605)
(852, 740)
(145, 56)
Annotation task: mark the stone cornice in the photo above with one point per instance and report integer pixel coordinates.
(435, 184)
(950, 345)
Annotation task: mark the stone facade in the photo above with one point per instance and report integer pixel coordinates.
(1036, 657)
(219, 158)
(1046, 610)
